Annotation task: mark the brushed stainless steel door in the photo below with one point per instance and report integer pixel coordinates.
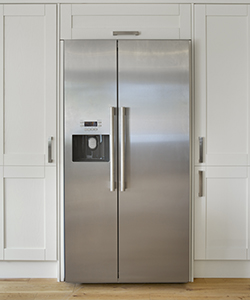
(90, 207)
(154, 206)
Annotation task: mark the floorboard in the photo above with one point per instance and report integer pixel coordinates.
(50, 289)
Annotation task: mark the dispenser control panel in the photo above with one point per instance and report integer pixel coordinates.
(91, 125)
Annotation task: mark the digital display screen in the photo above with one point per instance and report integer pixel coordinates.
(90, 123)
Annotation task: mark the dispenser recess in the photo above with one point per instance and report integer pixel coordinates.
(90, 148)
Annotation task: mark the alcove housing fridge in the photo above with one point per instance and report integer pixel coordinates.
(127, 170)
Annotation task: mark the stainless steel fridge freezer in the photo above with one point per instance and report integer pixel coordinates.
(127, 170)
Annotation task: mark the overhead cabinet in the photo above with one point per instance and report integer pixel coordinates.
(28, 132)
(140, 21)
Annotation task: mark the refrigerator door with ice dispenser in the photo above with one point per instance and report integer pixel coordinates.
(90, 208)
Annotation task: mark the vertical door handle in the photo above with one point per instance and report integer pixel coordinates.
(201, 140)
(50, 160)
(112, 149)
(200, 194)
(123, 143)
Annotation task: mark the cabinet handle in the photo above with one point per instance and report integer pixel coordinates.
(112, 152)
(126, 33)
(201, 140)
(50, 160)
(200, 184)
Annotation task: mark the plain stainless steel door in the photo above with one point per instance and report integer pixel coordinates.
(90, 91)
(154, 206)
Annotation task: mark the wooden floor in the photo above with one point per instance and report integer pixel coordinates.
(33, 289)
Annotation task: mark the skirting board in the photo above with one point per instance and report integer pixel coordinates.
(221, 269)
(10, 269)
(202, 269)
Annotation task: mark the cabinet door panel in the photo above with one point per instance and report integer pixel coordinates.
(24, 212)
(1, 85)
(1, 214)
(29, 213)
(24, 85)
(29, 53)
(226, 218)
(200, 214)
(95, 21)
(221, 53)
(221, 213)
(227, 85)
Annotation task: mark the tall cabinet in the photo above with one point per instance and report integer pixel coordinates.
(222, 114)
(28, 60)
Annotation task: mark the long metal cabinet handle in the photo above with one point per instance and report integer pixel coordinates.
(126, 33)
(112, 150)
(50, 160)
(200, 184)
(123, 142)
(201, 140)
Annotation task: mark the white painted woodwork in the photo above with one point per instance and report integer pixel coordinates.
(24, 10)
(248, 219)
(61, 264)
(124, 9)
(23, 254)
(199, 217)
(226, 10)
(50, 227)
(135, 1)
(222, 68)
(28, 269)
(29, 53)
(221, 269)
(24, 207)
(98, 21)
(1, 214)
(29, 217)
(221, 215)
(1, 87)
(28, 77)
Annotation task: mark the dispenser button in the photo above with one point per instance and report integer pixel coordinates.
(92, 143)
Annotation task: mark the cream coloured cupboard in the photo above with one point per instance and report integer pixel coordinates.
(98, 21)
(28, 40)
(221, 137)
